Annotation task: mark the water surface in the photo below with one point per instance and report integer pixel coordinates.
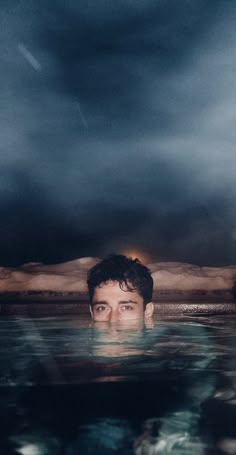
(72, 387)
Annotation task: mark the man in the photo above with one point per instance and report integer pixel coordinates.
(120, 289)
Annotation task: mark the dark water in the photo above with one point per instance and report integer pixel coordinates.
(70, 387)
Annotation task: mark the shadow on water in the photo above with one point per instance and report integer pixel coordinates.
(75, 388)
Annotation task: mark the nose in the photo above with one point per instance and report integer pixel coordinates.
(114, 315)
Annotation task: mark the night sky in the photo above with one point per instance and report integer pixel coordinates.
(118, 130)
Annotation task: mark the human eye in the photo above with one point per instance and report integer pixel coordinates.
(100, 308)
(127, 308)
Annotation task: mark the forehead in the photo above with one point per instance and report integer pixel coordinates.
(112, 290)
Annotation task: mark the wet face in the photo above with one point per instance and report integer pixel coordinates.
(110, 303)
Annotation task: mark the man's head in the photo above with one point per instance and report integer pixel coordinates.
(120, 289)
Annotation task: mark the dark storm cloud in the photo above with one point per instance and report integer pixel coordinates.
(118, 130)
(114, 56)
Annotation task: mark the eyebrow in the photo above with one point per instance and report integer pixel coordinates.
(121, 302)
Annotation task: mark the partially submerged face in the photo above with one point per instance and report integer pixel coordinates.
(111, 303)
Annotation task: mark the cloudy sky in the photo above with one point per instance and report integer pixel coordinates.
(118, 130)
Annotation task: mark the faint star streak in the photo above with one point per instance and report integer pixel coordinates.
(29, 57)
(82, 116)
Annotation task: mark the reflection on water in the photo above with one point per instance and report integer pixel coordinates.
(69, 386)
(123, 339)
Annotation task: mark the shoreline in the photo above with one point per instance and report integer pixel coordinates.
(50, 303)
(82, 308)
(162, 295)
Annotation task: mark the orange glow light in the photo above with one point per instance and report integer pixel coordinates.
(136, 254)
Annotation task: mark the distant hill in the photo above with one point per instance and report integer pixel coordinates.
(68, 280)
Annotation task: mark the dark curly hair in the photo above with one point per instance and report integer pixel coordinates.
(131, 274)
